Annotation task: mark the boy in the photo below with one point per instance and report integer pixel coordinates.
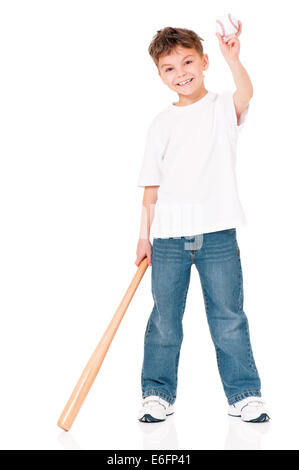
(192, 207)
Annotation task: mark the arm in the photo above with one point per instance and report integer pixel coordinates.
(244, 91)
(230, 48)
(144, 248)
(150, 197)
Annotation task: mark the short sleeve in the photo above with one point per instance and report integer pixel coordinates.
(150, 174)
(230, 112)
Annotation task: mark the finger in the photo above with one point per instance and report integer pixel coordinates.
(240, 28)
(221, 38)
(149, 256)
(231, 42)
(138, 260)
(230, 36)
(238, 32)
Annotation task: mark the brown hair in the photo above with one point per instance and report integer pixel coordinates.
(166, 39)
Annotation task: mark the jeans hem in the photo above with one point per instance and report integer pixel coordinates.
(163, 395)
(241, 396)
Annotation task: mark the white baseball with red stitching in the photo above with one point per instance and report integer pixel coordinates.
(227, 25)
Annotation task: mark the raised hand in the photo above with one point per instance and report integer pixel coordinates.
(230, 45)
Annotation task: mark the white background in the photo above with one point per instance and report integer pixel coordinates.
(78, 90)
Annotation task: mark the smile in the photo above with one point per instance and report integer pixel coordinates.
(185, 82)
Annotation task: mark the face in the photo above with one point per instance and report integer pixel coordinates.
(181, 65)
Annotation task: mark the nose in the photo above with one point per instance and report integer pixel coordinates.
(181, 76)
(181, 73)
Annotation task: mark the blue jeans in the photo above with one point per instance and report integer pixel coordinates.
(216, 256)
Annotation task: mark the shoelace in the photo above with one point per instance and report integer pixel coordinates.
(256, 402)
(153, 402)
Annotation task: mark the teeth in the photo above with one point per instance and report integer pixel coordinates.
(186, 81)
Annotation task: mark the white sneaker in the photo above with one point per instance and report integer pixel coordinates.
(154, 409)
(251, 410)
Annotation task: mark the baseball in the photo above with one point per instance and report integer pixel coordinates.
(227, 25)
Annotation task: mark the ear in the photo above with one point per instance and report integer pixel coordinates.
(205, 61)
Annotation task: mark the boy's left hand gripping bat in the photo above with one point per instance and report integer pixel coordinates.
(93, 366)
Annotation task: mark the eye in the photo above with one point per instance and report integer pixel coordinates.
(170, 68)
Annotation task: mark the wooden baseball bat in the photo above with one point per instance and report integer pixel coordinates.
(93, 366)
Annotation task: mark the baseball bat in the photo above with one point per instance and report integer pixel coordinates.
(92, 368)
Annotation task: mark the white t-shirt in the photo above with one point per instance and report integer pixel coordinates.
(190, 153)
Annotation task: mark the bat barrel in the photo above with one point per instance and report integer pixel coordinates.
(84, 384)
(92, 368)
(74, 404)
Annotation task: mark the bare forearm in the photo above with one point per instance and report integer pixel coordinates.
(147, 213)
(147, 216)
(241, 79)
